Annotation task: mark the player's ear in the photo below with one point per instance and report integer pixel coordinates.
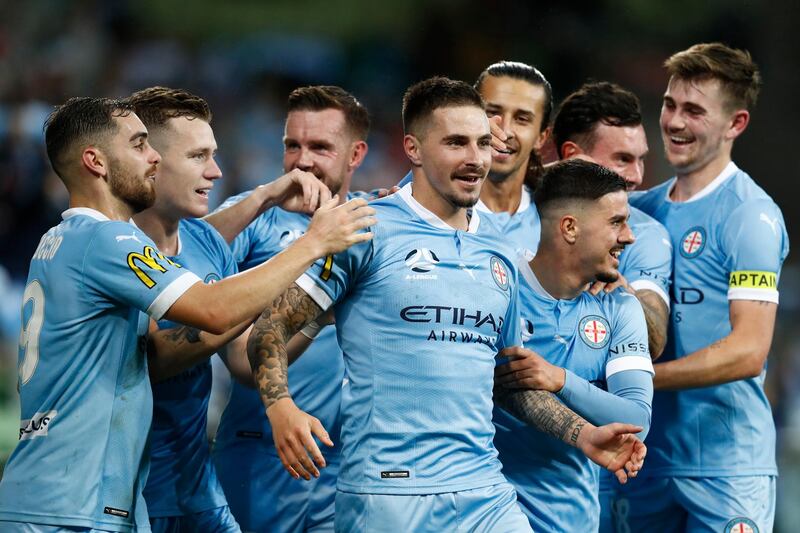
(739, 122)
(569, 229)
(357, 154)
(569, 149)
(94, 160)
(543, 136)
(411, 147)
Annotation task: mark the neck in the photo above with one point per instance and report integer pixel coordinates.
(430, 199)
(505, 195)
(557, 273)
(690, 183)
(110, 206)
(162, 229)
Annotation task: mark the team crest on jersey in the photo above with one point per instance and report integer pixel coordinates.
(211, 278)
(526, 329)
(741, 525)
(499, 272)
(594, 331)
(693, 242)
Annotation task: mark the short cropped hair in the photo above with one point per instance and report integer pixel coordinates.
(425, 97)
(322, 97)
(157, 105)
(80, 121)
(736, 71)
(592, 104)
(575, 179)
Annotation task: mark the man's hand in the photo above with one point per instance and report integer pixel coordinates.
(293, 431)
(335, 229)
(498, 135)
(615, 448)
(598, 286)
(528, 370)
(298, 191)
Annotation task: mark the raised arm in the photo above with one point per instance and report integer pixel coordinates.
(220, 306)
(292, 429)
(296, 190)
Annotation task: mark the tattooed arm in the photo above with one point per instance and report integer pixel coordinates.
(171, 351)
(292, 429)
(740, 355)
(613, 446)
(656, 314)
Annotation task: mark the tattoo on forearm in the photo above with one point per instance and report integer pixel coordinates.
(656, 315)
(543, 411)
(183, 334)
(266, 347)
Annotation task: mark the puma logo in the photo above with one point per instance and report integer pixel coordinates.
(773, 223)
(132, 236)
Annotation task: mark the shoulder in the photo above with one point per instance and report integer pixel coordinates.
(201, 231)
(641, 223)
(235, 199)
(651, 197)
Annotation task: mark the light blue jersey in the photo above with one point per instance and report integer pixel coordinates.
(85, 393)
(601, 341)
(521, 230)
(730, 242)
(244, 437)
(421, 311)
(182, 480)
(647, 263)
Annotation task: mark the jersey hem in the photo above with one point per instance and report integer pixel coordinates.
(316, 293)
(419, 489)
(647, 285)
(55, 520)
(170, 295)
(758, 295)
(187, 511)
(712, 472)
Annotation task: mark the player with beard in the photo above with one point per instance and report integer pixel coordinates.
(421, 313)
(518, 100)
(325, 135)
(593, 348)
(84, 388)
(713, 439)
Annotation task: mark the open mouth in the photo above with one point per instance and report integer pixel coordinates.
(202, 192)
(471, 179)
(680, 141)
(615, 253)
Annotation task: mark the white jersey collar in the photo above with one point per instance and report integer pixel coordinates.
(729, 170)
(426, 215)
(524, 202)
(86, 211)
(523, 262)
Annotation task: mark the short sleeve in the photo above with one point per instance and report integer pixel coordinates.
(754, 243)
(123, 263)
(330, 278)
(629, 349)
(647, 264)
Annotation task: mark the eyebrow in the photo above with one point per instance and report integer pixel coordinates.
(136, 136)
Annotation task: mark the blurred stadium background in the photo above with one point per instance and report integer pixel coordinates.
(245, 56)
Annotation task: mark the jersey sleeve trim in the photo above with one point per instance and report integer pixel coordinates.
(629, 362)
(758, 295)
(646, 284)
(316, 293)
(170, 294)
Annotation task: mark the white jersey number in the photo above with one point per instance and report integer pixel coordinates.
(29, 336)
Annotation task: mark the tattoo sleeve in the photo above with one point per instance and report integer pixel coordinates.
(656, 315)
(183, 335)
(543, 411)
(266, 347)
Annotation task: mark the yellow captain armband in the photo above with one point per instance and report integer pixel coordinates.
(753, 285)
(753, 279)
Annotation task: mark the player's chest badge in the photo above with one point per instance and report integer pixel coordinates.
(741, 525)
(693, 242)
(594, 331)
(499, 272)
